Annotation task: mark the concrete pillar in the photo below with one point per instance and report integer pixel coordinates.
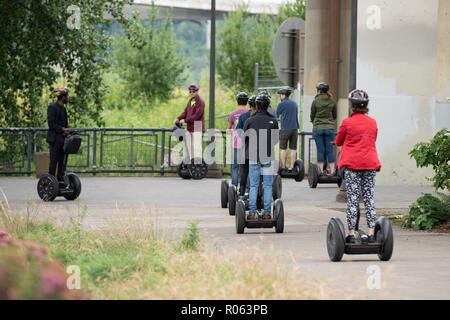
(344, 65)
(443, 66)
(316, 53)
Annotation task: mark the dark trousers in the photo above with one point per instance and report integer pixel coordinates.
(56, 158)
(244, 176)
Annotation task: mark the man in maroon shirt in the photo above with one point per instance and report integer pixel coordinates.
(194, 112)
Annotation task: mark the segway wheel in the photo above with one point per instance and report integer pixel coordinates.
(240, 217)
(197, 169)
(384, 235)
(75, 185)
(313, 175)
(183, 172)
(224, 193)
(276, 187)
(335, 241)
(48, 187)
(232, 198)
(300, 167)
(278, 212)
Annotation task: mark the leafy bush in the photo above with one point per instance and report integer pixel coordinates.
(428, 211)
(437, 154)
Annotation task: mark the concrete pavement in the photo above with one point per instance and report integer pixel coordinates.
(419, 267)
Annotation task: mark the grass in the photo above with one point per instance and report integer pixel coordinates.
(131, 259)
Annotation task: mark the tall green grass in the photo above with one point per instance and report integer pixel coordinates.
(132, 259)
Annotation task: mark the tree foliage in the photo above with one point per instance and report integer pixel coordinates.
(50, 43)
(149, 64)
(246, 40)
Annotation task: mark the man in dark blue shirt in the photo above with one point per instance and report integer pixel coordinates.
(244, 167)
(289, 126)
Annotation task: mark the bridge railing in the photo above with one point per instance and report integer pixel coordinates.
(113, 150)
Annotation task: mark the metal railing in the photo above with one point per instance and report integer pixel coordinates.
(111, 150)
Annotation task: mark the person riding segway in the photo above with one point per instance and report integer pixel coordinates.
(359, 160)
(261, 135)
(61, 142)
(192, 166)
(287, 109)
(229, 192)
(323, 117)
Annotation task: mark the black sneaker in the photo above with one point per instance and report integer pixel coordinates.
(371, 239)
(350, 239)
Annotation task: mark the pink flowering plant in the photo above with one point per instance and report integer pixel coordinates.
(27, 272)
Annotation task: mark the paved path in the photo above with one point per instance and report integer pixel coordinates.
(419, 268)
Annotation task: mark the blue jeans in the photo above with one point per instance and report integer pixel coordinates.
(267, 172)
(324, 140)
(235, 168)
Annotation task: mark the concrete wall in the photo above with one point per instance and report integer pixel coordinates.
(397, 65)
(403, 62)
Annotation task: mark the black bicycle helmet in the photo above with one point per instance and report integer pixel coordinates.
(263, 100)
(60, 91)
(286, 91)
(358, 98)
(251, 101)
(323, 86)
(242, 98)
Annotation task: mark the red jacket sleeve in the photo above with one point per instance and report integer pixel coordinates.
(198, 112)
(341, 134)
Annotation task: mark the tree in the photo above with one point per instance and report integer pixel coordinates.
(243, 41)
(149, 65)
(246, 40)
(289, 9)
(50, 43)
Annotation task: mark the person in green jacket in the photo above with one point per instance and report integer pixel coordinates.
(323, 117)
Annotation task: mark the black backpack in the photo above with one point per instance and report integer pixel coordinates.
(72, 143)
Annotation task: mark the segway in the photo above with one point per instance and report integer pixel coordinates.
(383, 245)
(315, 178)
(196, 169)
(276, 194)
(297, 172)
(49, 187)
(243, 222)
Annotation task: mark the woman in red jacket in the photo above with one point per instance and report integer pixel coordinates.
(359, 158)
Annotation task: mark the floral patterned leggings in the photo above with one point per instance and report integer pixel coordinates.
(356, 181)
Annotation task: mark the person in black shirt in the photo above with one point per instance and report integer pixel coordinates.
(57, 131)
(261, 132)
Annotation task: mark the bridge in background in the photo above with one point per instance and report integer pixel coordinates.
(199, 10)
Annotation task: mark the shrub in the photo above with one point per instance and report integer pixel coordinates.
(191, 238)
(26, 272)
(428, 211)
(437, 154)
